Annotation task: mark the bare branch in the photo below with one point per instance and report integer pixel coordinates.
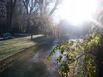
(26, 3)
(54, 8)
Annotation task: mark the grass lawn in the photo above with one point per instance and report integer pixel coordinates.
(12, 46)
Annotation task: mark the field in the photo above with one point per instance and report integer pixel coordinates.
(13, 46)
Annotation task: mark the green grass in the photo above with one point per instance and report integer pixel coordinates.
(12, 46)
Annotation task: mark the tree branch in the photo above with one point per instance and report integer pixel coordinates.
(54, 8)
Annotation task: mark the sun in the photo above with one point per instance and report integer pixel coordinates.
(77, 12)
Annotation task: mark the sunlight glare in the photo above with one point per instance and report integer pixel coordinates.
(77, 11)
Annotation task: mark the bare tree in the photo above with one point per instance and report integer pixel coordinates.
(40, 8)
(10, 11)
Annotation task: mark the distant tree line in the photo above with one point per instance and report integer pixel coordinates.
(27, 16)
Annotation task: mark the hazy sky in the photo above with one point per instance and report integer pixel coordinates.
(76, 11)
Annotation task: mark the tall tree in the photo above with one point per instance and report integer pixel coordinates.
(39, 7)
(10, 11)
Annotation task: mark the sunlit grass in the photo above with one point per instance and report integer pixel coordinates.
(12, 46)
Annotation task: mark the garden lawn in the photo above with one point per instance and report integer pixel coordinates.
(13, 46)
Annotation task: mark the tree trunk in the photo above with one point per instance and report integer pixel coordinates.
(31, 36)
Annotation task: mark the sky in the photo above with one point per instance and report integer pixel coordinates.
(76, 12)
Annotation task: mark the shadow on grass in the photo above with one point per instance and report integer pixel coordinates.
(37, 70)
(43, 39)
(32, 70)
(28, 68)
(44, 43)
